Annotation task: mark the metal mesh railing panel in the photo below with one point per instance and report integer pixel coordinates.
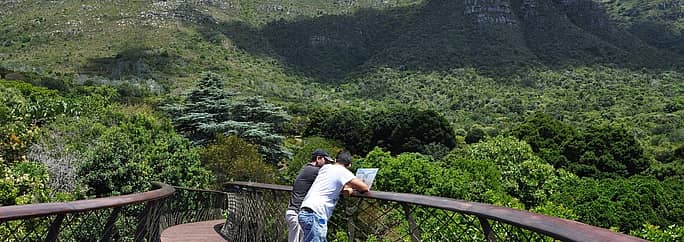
(110, 224)
(258, 215)
(89, 220)
(33, 229)
(255, 212)
(370, 219)
(189, 206)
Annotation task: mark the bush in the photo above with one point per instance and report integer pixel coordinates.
(233, 159)
(138, 150)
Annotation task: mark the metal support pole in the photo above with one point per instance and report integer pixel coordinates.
(109, 225)
(54, 228)
(487, 229)
(413, 226)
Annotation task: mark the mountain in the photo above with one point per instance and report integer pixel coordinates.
(659, 23)
(166, 43)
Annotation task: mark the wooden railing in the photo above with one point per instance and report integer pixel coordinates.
(127, 217)
(388, 216)
(255, 212)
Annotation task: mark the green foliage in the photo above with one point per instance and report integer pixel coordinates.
(209, 109)
(656, 234)
(406, 173)
(523, 174)
(23, 183)
(624, 203)
(138, 150)
(350, 125)
(547, 136)
(662, 171)
(604, 150)
(411, 130)
(23, 108)
(233, 159)
(472, 180)
(303, 147)
(475, 134)
(397, 129)
(610, 149)
(556, 210)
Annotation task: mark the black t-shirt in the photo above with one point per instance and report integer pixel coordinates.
(301, 186)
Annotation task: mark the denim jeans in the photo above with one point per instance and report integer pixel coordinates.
(314, 227)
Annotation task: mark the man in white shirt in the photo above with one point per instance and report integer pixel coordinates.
(322, 197)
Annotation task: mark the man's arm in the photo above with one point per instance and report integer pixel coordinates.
(357, 184)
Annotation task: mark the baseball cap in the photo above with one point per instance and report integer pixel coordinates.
(323, 153)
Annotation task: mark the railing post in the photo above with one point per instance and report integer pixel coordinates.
(144, 222)
(54, 228)
(109, 226)
(413, 226)
(487, 229)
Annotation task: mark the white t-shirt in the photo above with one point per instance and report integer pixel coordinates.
(325, 191)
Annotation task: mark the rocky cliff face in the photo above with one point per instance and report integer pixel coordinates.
(484, 12)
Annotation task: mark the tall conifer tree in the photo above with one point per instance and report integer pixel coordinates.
(209, 109)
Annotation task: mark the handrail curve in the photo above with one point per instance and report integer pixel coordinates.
(557, 228)
(44, 209)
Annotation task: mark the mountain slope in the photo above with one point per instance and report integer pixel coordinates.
(327, 41)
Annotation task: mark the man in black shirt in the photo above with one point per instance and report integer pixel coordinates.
(301, 186)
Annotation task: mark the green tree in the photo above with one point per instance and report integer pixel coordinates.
(348, 125)
(547, 136)
(138, 150)
(233, 159)
(523, 174)
(624, 203)
(405, 129)
(209, 109)
(475, 134)
(473, 180)
(407, 172)
(396, 129)
(655, 233)
(607, 151)
(23, 183)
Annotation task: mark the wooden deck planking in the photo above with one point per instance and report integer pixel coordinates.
(193, 232)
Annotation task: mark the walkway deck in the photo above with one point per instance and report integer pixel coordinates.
(193, 232)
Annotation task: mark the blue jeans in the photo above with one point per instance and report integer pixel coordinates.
(314, 227)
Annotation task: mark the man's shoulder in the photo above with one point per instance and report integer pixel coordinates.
(309, 167)
(308, 170)
(335, 169)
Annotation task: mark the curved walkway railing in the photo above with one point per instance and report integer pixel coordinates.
(255, 212)
(387, 216)
(127, 217)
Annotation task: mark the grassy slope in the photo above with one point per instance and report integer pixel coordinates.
(406, 51)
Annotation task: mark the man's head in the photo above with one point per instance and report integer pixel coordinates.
(320, 157)
(344, 158)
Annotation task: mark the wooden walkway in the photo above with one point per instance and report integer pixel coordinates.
(193, 232)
